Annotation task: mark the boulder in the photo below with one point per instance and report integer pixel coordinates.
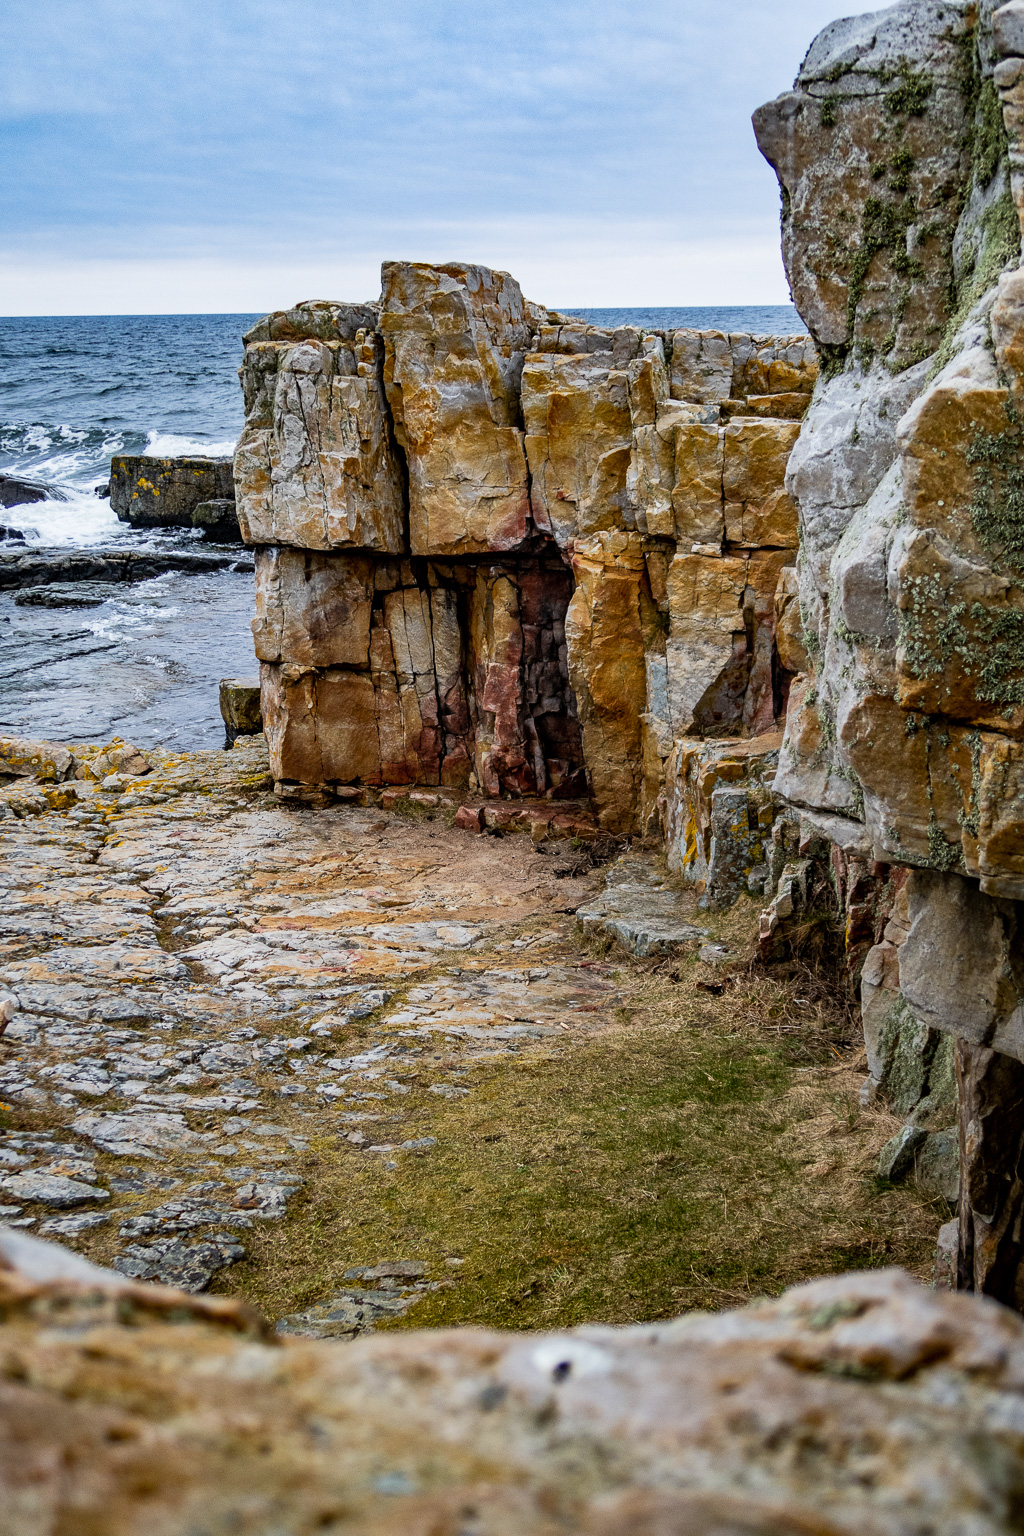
(44, 760)
(240, 708)
(22, 493)
(218, 521)
(151, 492)
(719, 814)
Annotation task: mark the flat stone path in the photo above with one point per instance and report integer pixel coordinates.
(206, 979)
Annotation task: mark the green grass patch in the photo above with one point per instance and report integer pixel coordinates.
(707, 1151)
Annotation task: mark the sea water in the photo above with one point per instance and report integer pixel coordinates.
(73, 392)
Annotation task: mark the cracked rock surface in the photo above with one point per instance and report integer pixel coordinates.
(204, 982)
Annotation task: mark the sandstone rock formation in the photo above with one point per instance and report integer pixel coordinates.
(902, 745)
(865, 1404)
(505, 551)
(151, 492)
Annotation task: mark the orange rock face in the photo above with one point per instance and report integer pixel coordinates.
(507, 551)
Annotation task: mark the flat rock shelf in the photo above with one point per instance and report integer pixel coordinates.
(317, 1054)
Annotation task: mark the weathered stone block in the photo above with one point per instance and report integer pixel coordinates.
(218, 521)
(313, 609)
(718, 813)
(697, 500)
(759, 513)
(789, 630)
(321, 726)
(240, 708)
(578, 439)
(962, 966)
(605, 634)
(316, 466)
(152, 492)
(455, 339)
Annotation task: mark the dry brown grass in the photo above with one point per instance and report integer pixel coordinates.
(708, 1148)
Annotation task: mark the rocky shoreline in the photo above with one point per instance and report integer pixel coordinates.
(37, 567)
(643, 711)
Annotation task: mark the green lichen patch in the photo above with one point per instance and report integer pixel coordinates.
(988, 145)
(910, 98)
(997, 506)
(987, 644)
(942, 854)
(996, 244)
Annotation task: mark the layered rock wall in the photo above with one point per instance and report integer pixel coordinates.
(899, 153)
(509, 552)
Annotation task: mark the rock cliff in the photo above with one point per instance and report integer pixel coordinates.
(898, 154)
(508, 552)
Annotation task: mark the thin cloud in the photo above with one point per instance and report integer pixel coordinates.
(289, 123)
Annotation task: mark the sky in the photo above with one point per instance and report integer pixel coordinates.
(235, 156)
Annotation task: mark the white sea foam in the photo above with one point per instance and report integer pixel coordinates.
(71, 459)
(81, 520)
(166, 445)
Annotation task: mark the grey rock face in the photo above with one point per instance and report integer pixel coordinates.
(84, 594)
(909, 580)
(962, 966)
(48, 567)
(22, 493)
(218, 520)
(874, 129)
(51, 1189)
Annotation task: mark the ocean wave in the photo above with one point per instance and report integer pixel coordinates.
(171, 445)
(72, 458)
(82, 520)
(76, 462)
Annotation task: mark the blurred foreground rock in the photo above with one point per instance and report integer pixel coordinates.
(859, 1406)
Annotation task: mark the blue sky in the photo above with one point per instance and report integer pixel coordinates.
(236, 155)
